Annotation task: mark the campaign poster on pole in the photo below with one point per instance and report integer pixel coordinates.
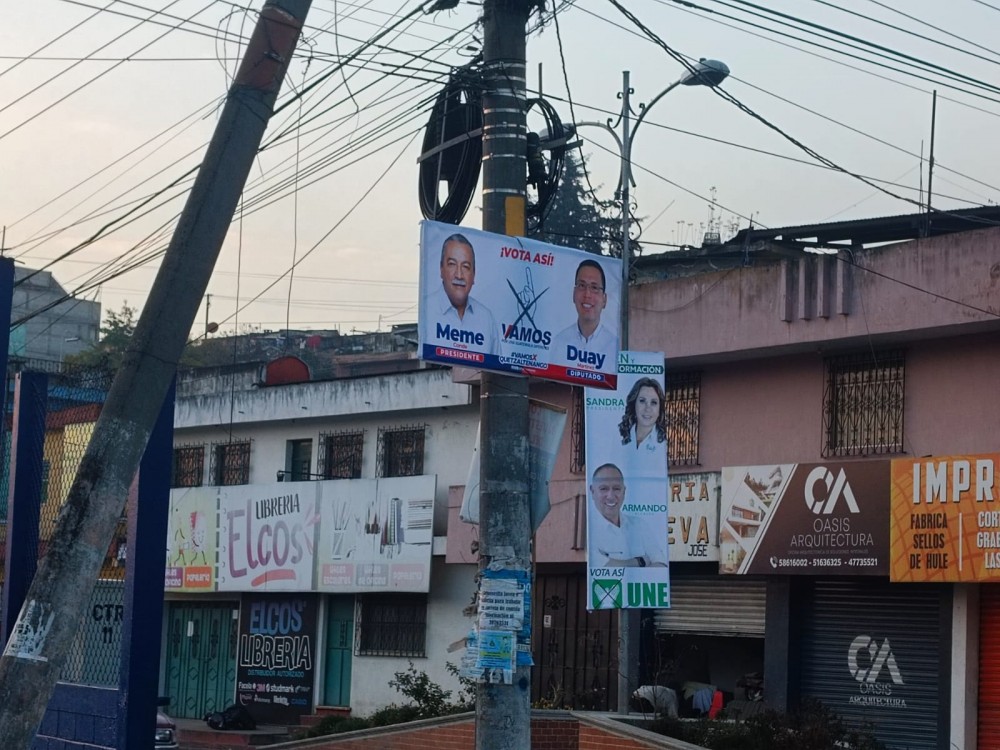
(514, 305)
(627, 488)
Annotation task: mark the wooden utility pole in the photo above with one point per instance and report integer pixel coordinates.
(503, 712)
(50, 617)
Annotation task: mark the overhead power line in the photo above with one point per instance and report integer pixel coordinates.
(833, 120)
(914, 34)
(722, 93)
(787, 19)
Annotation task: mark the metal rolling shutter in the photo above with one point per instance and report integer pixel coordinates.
(908, 618)
(989, 667)
(713, 605)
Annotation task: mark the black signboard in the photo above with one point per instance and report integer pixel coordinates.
(276, 658)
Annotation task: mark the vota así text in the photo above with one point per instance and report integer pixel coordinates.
(519, 253)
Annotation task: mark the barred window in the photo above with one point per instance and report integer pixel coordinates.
(578, 451)
(341, 454)
(683, 411)
(400, 452)
(188, 466)
(391, 625)
(231, 463)
(863, 404)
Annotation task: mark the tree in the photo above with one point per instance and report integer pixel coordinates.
(107, 353)
(578, 219)
(116, 333)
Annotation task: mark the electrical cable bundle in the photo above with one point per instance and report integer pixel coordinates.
(452, 151)
(544, 174)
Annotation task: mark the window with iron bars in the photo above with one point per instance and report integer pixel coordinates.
(231, 463)
(189, 466)
(578, 457)
(683, 412)
(863, 404)
(341, 454)
(391, 625)
(400, 452)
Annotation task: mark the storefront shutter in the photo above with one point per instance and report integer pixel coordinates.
(989, 667)
(713, 605)
(871, 652)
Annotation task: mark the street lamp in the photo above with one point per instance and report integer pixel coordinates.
(62, 346)
(703, 73)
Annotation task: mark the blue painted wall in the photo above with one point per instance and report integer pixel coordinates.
(88, 715)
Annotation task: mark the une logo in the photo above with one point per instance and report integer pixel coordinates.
(835, 489)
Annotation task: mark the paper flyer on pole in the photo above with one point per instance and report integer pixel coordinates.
(514, 305)
(627, 488)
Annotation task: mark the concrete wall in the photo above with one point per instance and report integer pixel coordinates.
(273, 416)
(919, 289)
(424, 389)
(452, 588)
(67, 328)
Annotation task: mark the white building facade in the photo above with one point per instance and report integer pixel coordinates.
(306, 540)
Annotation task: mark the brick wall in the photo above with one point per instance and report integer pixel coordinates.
(596, 738)
(554, 734)
(550, 730)
(459, 735)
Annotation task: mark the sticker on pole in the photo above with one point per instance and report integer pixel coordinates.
(31, 631)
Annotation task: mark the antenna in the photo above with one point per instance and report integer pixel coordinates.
(712, 235)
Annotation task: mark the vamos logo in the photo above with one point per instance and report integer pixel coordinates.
(823, 491)
(523, 329)
(874, 667)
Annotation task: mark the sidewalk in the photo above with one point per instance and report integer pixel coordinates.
(195, 734)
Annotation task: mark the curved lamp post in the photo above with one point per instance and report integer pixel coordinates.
(703, 73)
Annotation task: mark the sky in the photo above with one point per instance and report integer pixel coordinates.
(106, 106)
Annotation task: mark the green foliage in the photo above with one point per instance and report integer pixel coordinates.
(116, 335)
(334, 725)
(393, 714)
(430, 698)
(108, 352)
(813, 727)
(466, 698)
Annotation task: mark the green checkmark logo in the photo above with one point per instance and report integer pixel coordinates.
(606, 593)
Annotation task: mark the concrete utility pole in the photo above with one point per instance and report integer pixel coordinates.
(503, 712)
(50, 617)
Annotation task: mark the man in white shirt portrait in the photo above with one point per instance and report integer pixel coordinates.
(588, 343)
(614, 539)
(458, 319)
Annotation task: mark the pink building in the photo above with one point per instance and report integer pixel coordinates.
(840, 347)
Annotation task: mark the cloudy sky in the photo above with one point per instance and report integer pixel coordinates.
(106, 106)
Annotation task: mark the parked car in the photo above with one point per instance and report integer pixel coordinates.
(166, 732)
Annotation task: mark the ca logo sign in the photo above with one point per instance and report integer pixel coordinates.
(833, 489)
(878, 657)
